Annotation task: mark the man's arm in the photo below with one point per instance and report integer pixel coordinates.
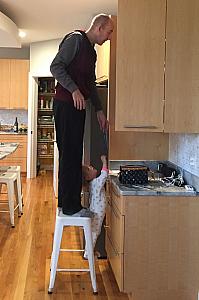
(95, 100)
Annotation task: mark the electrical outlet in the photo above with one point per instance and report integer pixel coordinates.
(192, 161)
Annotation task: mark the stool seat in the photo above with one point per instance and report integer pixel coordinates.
(10, 179)
(64, 220)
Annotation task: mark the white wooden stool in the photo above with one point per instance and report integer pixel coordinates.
(61, 221)
(17, 170)
(10, 179)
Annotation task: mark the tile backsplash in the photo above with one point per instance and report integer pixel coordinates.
(7, 116)
(184, 151)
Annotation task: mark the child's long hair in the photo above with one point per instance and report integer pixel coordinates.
(85, 183)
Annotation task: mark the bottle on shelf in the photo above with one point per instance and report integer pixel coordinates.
(41, 102)
(15, 125)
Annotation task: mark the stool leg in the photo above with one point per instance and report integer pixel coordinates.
(55, 253)
(19, 185)
(89, 245)
(19, 196)
(10, 187)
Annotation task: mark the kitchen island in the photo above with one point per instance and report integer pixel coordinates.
(152, 242)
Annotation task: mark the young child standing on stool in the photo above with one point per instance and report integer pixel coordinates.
(96, 196)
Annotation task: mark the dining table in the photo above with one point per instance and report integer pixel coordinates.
(7, 149)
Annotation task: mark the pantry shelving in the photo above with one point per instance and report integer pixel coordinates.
(45, 124)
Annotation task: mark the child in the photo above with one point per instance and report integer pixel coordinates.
(97, 197)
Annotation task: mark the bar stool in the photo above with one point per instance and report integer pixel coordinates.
(61, 221)
(17, 170)
(10, 179)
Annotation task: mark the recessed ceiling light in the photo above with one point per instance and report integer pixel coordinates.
(22, 34)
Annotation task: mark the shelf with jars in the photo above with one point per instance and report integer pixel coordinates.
(45, 124)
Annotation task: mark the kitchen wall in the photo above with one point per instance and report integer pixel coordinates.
(18, 53)
(184, 151)
(41, 56)
(7, 116)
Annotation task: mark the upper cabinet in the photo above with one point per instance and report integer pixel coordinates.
(102, 65)
(19, 83)
(14, 86)
(182, 67)
(4, 83)
(140, 65)
(157, 66)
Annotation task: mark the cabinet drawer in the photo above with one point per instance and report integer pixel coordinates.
(13, 138)
(15, 162)
(21, 151)
(115, 227)
(116, 261)
(117, 200)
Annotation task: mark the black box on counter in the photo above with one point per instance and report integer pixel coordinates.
(133, 174)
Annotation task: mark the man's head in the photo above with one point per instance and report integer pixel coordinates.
(101, 29)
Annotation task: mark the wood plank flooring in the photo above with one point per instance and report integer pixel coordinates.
(25, 253)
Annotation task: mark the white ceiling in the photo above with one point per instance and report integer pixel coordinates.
(52, 19)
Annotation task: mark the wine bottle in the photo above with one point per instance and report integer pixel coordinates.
(16, 125)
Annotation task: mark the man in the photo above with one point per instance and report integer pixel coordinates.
(74, 69)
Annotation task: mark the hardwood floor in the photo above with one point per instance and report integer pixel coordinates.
(25, 253)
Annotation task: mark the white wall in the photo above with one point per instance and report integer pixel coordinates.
(184, 151)
(41, 56)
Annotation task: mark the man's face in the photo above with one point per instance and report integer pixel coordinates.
(104, 33)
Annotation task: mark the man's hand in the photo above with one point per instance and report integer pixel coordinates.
(78, 99)
(103, 122)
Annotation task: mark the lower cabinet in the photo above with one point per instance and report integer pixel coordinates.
(19, 157)
(152, 245)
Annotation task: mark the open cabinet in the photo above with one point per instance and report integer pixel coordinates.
(45, 124)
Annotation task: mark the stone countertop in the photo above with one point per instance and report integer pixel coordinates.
(7, 148)
(12, 132)
(153, 188)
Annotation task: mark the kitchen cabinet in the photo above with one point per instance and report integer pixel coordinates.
(102, 64)
(140, 65)
(19, 157)
(157, 66)
(4, 83)
(130, 145)
(182, 67)
(14, 83)
(152, 245)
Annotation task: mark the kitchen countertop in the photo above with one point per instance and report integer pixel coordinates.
(7, 148)
(12, 132)
(154, 187)
(151, 189)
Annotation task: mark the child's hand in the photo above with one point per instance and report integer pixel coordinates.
(103, 159)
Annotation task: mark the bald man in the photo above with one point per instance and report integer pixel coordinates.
(74, 69)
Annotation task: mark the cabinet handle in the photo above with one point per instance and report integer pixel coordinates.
(106, 226)
(140, 126)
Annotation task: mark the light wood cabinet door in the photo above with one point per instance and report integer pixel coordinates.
(19, 157)
(182, 67)
(140, 65)
(160, 246)
(4, 83)
(19, 84)
(102, 64)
